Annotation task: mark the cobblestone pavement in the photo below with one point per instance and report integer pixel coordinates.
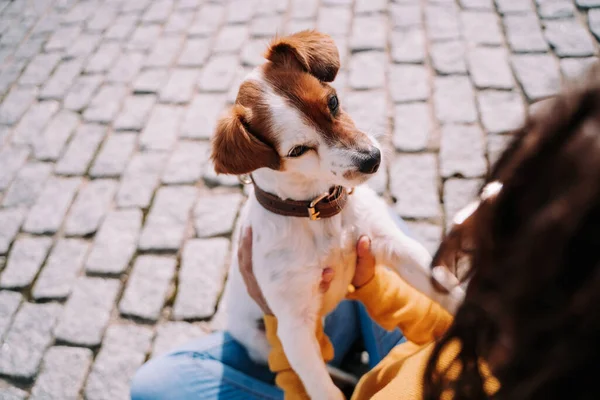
(115, 231)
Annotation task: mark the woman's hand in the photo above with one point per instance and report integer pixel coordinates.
(365, 263)
(245, 264)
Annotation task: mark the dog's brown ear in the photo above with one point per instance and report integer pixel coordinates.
(315, 53)
(237, 151)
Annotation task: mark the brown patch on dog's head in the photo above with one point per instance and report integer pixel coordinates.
(238, 148)
(309, 51)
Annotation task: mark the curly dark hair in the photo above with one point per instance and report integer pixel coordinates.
(534, 291)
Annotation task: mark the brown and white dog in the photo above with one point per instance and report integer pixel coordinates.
(289, 130)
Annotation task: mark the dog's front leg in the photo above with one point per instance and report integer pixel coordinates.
(297, 310)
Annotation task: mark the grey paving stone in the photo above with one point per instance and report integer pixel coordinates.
(162, 128)
(267, 26)
(15, 104)
(30, 127)
(462, 151)
(457, 194)
(513, 6)
(123, 352)
(9, 303)
(29, 48)
(62, 37)
(106, 104)
(212, 179)
(486, 5)
(240, 11)
(90, 207)
(555, 9)
(194, 53)
(12, 158)
(496, 144)
(46, 216)
(188, 4)
(63, 77)
(448, 57)
(8, 392)
(412, 126)
(147, 287)
(230, 39)
(140, 179)
(135, 7)
(218, 74)
(207, 21)
(126, 68)
(158, 12)
(428, 234)
(179, 88)
(178, 22)
(215, 214)
(103, 18)
(9, 74)
(369, 111)
(240, 75)
(500, 111)
(87, 311)
(408, 46)
(201, 116)
(303, 9)
(63, 373)
(166, 223)
(538, 74)
(10, 223)
(27, 340)
(569, 38)
(79, 13)
(442, 21)
(524, 34)
(64, 264)
(114, 155)
(203, 270)
(481, 28)
(453, 100)
(370, 6)
(27, 185)
(83, 46)
(171, 335)
(489, 68)
(369, 33)
(587, 3)
(575, 68)
(408, 83)
(115, 242)
(251, 54)
(144, 37)
(298, 25)
(406, 15)
(39, 69)
(414, 186)
(134, 113)
(53, 139)
(186, 163)
(164, 52)
(104, 58)
(367, 70)
(82, 91)
(81, 150)
(150, 81)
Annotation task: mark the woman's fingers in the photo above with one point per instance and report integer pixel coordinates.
(364, 256)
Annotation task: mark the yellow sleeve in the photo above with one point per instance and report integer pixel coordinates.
(285, 377)
(391, 302)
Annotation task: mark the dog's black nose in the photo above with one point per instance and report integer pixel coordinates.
(371, 161)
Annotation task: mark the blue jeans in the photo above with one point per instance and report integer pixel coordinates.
(218, 367)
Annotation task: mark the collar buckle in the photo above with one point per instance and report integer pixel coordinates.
(313, 214)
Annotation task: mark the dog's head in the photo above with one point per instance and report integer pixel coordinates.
(288, 118)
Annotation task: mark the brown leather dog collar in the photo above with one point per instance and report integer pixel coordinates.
(324, 206)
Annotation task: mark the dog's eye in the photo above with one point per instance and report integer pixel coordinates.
(333, 104)
(298, 151)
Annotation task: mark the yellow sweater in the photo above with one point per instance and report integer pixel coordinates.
(391, 303)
